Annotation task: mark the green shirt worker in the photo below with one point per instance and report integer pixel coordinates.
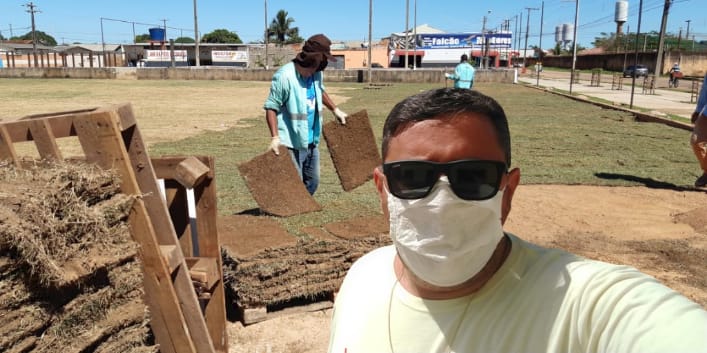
(463, 75)
(293, 109)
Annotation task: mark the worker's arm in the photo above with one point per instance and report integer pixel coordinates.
(271, 118)
(329, 103)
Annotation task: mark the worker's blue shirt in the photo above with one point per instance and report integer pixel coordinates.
(463, 75)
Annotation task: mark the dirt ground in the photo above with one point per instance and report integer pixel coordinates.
(661, 232)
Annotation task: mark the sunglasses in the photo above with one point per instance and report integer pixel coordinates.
(470, 179)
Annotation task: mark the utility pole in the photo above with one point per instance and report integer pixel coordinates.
(370, 40)
(635, 59)
(574, 43)
(520, 30)
(515, 34)
(196, 38)
(32, 9)
(267, 34)
(687, 34)
(661, 38)
(484, 62)
(407, 15)
(527, 31)
(540, 45)
(414, 37)
(679, 38)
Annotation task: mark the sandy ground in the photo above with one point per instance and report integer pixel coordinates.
(598, 221)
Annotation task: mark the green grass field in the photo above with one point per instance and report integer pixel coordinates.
(554, 140)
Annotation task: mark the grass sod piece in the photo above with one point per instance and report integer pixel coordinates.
(276, 186)
(353, 149)
(246, 235)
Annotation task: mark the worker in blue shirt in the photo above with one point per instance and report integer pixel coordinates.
(463, 75)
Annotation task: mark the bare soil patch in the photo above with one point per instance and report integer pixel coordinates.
(650, 229)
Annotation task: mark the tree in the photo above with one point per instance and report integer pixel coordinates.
(280, 31)
(221, 36)
(1, 37)
(184, 40)
(42, 38)
(142, 38)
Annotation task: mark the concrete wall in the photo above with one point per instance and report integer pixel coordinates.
(692, 64)
(225, 73)
(58, 72)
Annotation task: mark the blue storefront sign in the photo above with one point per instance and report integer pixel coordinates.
(465, 40)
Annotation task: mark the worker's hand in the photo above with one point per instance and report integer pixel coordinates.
(275, 145)
(340, 116)
(446, 75)
(694, 117)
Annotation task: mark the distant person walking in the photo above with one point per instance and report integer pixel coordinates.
(698, 140)
(463, 75)
(294, 107)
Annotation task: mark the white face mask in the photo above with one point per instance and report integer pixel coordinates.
(442, 239)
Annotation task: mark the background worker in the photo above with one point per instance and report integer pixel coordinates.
(454, 281)
(698, 139)
(293, 109)
(463, 75)
(675, 75)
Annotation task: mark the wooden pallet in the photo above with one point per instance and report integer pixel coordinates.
(183, 288)
(255, 315)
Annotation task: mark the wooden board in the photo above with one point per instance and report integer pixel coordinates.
(353, 149)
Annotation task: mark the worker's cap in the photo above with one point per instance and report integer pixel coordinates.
(319, 43)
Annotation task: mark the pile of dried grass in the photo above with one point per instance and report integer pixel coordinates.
(69, 272)
(308, 270)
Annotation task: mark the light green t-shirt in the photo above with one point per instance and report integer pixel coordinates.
(541, 300)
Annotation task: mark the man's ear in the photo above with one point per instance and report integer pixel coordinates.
(513, 179)
(379, 179)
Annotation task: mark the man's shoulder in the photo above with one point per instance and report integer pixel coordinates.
(287, 70)
(373, 260)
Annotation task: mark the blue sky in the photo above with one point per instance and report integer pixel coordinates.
(80, 20)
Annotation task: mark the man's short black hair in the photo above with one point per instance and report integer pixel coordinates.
(464, 58)
(435, 103)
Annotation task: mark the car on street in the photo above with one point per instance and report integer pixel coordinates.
(636, 70)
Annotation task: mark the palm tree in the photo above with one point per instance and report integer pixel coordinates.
(280, 31)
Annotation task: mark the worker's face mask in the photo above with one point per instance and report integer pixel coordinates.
(443, 239)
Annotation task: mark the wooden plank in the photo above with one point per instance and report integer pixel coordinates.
(255, 315)
(210, 246)
(61, 126)
(103, 144)
(7, 149)
(164, 230)
(204, 270)
(44, 139)
(170, 254)
(165, 166)
(57, 114)
(166, 316)
(190, 172)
